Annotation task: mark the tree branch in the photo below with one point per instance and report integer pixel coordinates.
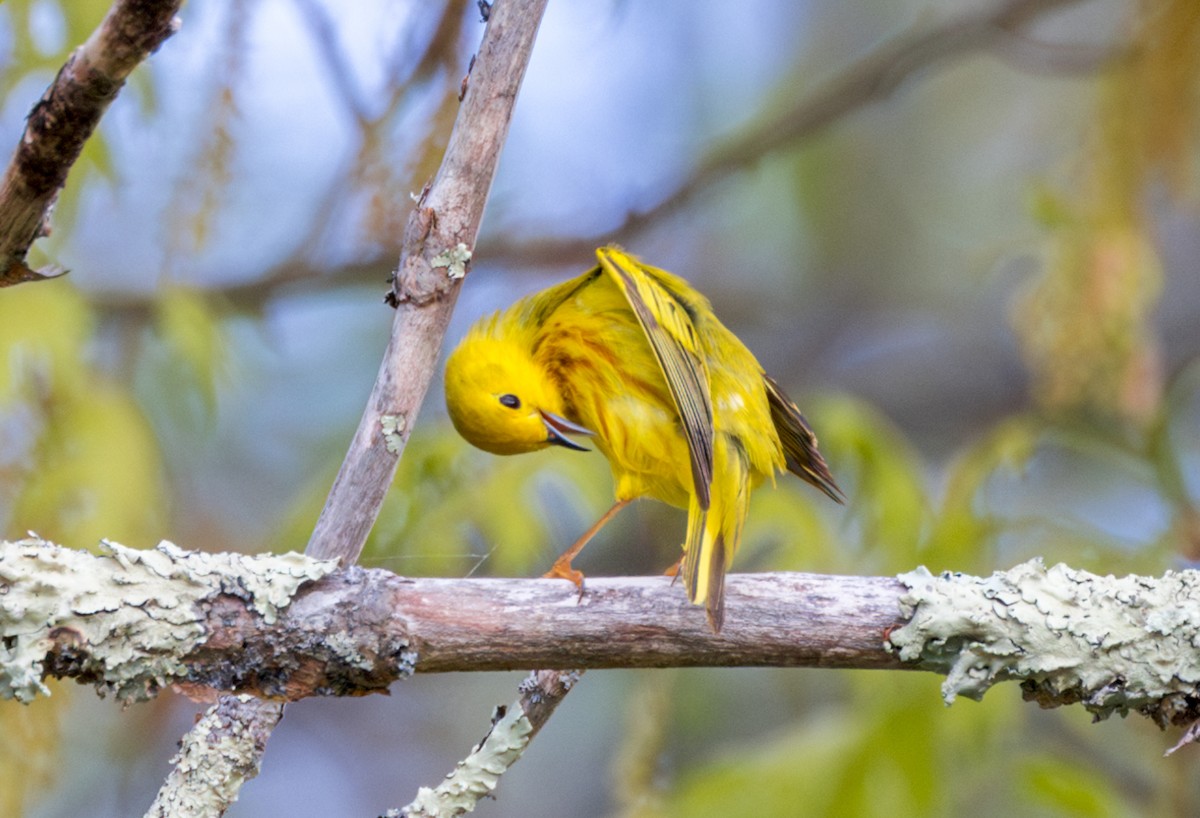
(63, 119)
(217, 756)
(438, 242)
(288, 627)
(513, 727)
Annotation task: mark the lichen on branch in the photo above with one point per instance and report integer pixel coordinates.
(1114, 644)
(125, 620)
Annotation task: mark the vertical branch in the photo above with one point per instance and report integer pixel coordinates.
(438, 240)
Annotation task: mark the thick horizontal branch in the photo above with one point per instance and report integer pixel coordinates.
(287, 627)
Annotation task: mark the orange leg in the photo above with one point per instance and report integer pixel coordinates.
(562, 566)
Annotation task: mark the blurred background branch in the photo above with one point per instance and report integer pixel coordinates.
(1000, 28)
(871, 79)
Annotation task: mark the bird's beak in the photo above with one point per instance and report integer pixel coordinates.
(558, 429)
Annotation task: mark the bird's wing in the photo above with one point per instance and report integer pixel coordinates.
(665, 319)
(799, 443)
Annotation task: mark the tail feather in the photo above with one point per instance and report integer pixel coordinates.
(713, 535)
(714, 605)
(695, 578)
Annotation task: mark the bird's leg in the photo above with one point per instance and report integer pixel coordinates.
(562, 566)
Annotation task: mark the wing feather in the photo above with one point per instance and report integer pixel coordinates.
(799, 443)
(668, 326)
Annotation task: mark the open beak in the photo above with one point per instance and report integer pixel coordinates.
(558, 429)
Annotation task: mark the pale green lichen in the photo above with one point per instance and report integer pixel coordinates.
(454, 260)
(1113, 644)
(477, 775)
(347, 650)
(393, 427)
(131, 613)
(216, 757)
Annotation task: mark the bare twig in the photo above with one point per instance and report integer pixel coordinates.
(63, 119)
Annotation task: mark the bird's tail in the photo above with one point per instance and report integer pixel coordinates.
(713, 534)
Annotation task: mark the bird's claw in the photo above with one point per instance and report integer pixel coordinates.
(563, 570)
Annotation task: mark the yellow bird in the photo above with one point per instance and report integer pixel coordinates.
(634, 356)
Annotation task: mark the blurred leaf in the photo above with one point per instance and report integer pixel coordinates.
(773, 778)
(192, 331)
(1174, 450)
(1173, 445)
(882, 477)
(83, 17)
(30, 747)
(964, 528)
(790, 528)
(1049, 208)
(98, 473)
(1070, 788)
(43, 330)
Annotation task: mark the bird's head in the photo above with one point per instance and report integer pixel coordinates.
(502, 401)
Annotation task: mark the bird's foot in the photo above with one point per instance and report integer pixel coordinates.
(673, 571)
(563, 570)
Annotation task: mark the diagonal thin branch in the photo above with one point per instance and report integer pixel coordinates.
(444, 225)
(513, 727)
(63, 119)
(438, 243)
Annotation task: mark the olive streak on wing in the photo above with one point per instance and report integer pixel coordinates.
(673, 338)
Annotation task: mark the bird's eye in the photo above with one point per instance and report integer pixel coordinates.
(511, 401)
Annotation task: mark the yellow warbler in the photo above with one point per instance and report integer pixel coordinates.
(634, 356)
